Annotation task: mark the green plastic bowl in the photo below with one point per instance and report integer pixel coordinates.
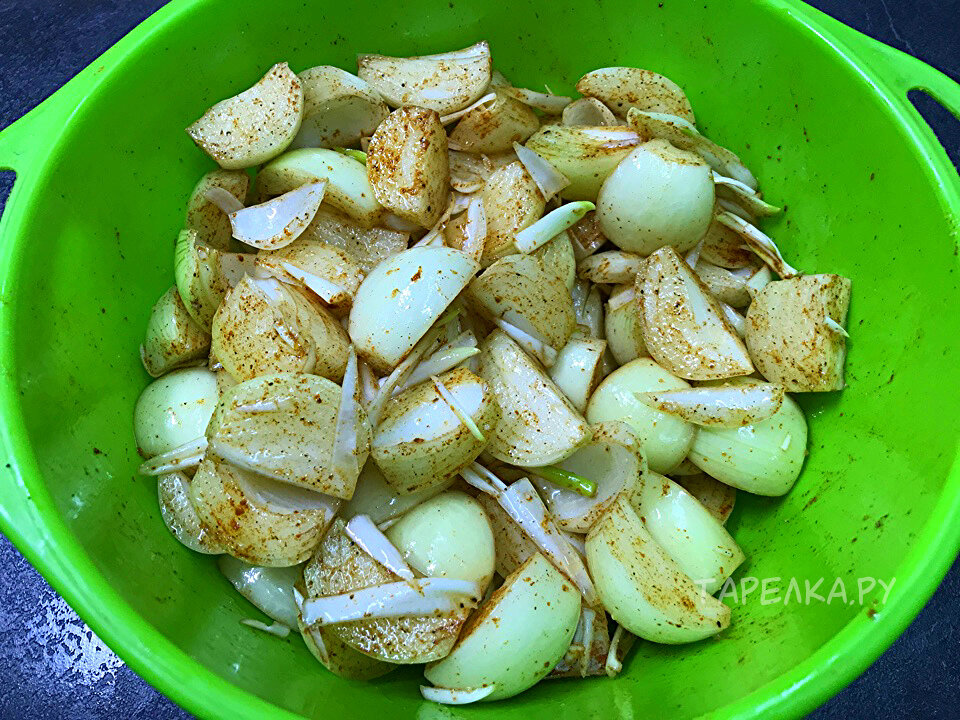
(818, 111)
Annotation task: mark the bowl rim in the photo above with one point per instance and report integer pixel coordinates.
(30, 519)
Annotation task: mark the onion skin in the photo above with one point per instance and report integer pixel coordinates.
(495, 126)
(643, 588)
(259, 123)
(516, 636)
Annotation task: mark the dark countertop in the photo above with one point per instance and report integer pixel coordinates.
(53, 666)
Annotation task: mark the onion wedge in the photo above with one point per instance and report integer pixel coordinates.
(278, 222)
(760, 243)
(550, 180)
(613, 267)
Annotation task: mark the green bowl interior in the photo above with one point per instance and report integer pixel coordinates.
(859, 202)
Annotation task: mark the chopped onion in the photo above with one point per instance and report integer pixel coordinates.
(719, 405)
(475, 230)
(483, 480)
(738, 321)
(621, 297)
(535, 346)
(759, 243)
(447, 119)
(758, 280)
(429, 597)
(620, 644)
(368, 385)
(274, 628)
(329, 292)
(614, 267)
(835, 326)
(223, 199)
(181, 457)
(453, 696)
(457, 409)
(746, 196)
(550, 180)
(278, 222)
(447, 357)
(374, 543)
(344, 453)
(547, 102)
(551, 225)
(693, 257)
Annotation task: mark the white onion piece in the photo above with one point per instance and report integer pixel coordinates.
(329, 292)
(522, 503)
(760, 243)
(475, 230)
(835, 326)
(417, 598)
(278, 222)
(457, 409)
(620, 644)
(577, 369)
(344, 453)
(174, 410)
(368, 385)
(454, 696)
(621, 297)
(550, 180)
(284, 498)
(180, 517)
(486, 482)
(551, 225)
(374, 543)
(548, 102)
(223, 199)
(758, 280)
(274, 628)
(447, 357)
(270, 589)
(693, 257)
(452, 117)
(735, 209)
(182, 457)
(590, 112)
(745, 195)
(738, 321)
(533, 345)
(614, 267)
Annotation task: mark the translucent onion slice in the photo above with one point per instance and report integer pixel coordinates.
(182, 457)
(551, 225)
(745, 195)
(275, 628)
(453, 696)
(372, 541)
(735, 208)
(547, 102)
(550, 180)
(329, 292)
(621, 296)
(578, 368)
(417, 598)
(457, 408)
(223, 199)
(475, 229)
(447, 357)
(590, 112)
(620, 645)
(614, 267)
(758, 280)
(454, 116)
(180, 517)
(345, 455)
(762, 245)
(736, 320)
(270, 589)
(278, 222)
(693, 257)
(537, 347)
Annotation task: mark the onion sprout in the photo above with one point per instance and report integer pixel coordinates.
(550, 180)
(567, 480)
(181, 457)
(274, 628)
(551, 225)
(359, 155)
(457, 409)
(759, 243)
(427, 597)
(453, 696)
(374, 543)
